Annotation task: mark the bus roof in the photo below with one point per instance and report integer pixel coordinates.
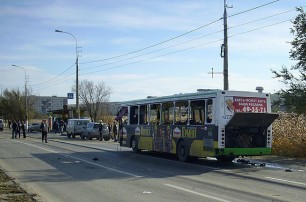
(201, 94)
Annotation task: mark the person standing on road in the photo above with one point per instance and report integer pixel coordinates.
(23, 129)
(58, 127)
(62, 126)
(44, 131)
(100, 131)
(14, 129)
(115, 131)
(18, 128)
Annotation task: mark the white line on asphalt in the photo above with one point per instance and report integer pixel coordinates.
(197, 193)
(92, 146)
(77, 158)
(293, 182)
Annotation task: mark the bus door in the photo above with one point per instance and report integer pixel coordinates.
(163, 138)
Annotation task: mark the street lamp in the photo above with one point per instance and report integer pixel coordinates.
(26, 93)
(77, 72)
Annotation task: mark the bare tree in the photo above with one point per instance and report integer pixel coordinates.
(93, 96)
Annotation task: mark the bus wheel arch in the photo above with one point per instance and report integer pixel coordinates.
(134, 144)
(182, 151)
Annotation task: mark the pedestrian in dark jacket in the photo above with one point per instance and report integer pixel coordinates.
(44, 131)
(18, 129)
(23, 129)
(14, 129)
(115, 131)
(100, 131)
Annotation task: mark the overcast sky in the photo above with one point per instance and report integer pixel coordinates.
(126, 44)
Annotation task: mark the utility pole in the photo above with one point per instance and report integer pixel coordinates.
(225, 49)
(212, 73)
(77, 86)
(26, 94)
(77, 72)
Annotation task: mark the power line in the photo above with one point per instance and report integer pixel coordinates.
(184, 49)
(253, 8)
(154, 51)
(160, 44)
(129, 53)
(61, 80)
(154, 44)
(54, 77)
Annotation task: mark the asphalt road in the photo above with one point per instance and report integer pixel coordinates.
(88, 170)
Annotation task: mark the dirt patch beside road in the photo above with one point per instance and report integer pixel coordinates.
(11, 192)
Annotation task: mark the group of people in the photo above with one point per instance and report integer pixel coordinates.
(111, 128)
(59, 126)
(17, 127)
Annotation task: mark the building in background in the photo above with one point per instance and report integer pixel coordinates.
(58, 107)
(45, 104)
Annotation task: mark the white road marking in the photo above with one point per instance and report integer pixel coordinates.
(293, 182)
(197, 193)
(92, 146)
(79, 159)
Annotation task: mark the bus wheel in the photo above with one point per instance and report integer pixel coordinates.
(134, 145)
(82, 137)
(182, 151)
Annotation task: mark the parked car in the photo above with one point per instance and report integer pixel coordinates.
(1, 124)
(92, 131)
(34, 127)
(76, 126)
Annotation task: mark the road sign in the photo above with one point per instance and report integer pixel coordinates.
(69, 95)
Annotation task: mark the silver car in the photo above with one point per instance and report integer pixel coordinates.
(92, 131)
(34, 127)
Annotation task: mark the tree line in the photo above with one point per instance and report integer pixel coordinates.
(92, 96)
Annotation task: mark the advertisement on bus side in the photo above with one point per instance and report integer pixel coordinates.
(244, 104)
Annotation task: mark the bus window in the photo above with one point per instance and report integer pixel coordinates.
(197, 116)
(167, 113)
(133, 115)
(209, 111)
(143, 114)
(181, 113)
(154, 114)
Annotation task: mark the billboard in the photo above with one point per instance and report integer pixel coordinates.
(245, 104)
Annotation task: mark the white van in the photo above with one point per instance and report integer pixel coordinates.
(76, 126)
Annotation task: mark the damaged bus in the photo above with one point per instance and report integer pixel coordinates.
(206, 123)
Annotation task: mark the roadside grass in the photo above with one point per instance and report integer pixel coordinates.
(289, 136)
(11, 192)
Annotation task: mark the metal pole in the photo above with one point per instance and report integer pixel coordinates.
(77, 72)
(225, 59)
(26, 94)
